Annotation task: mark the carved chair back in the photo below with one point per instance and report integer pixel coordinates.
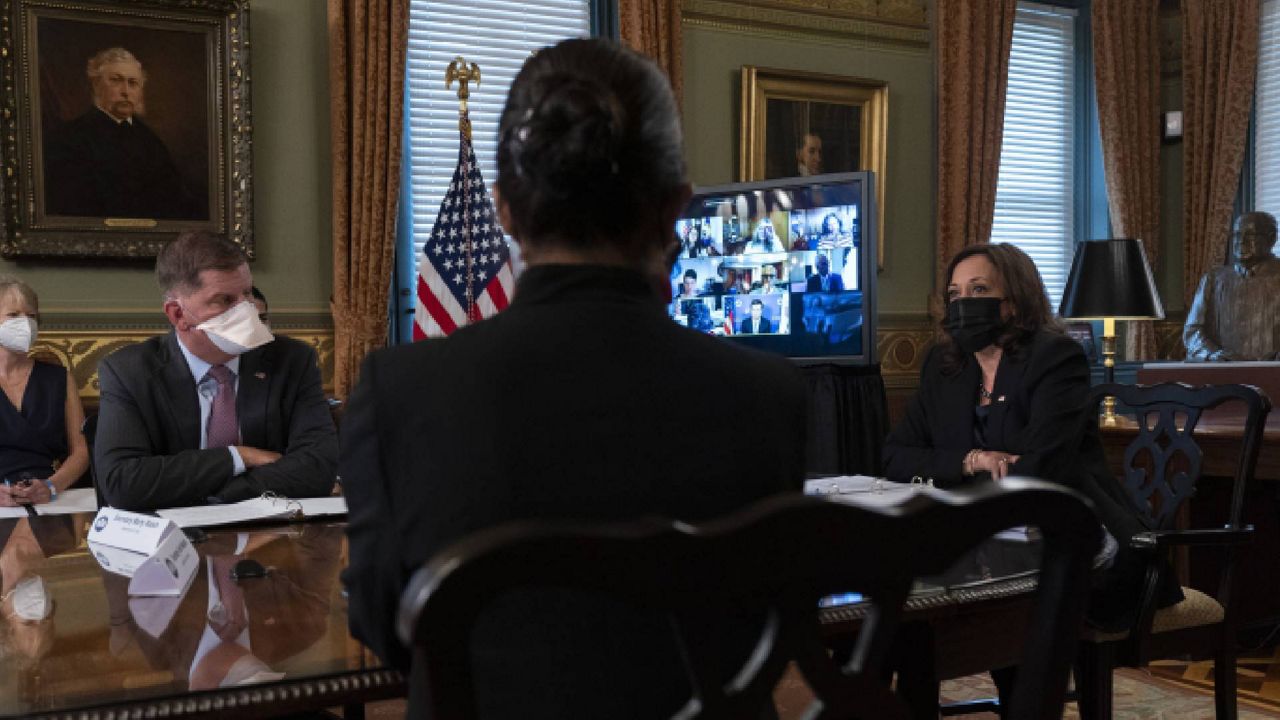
(776, 558)
(1163, 462)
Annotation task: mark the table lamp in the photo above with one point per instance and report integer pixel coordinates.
(1110, 280)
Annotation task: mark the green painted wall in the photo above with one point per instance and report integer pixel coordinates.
(712, 63)
(290, 73)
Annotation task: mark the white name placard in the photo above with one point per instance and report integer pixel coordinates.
(151, 551)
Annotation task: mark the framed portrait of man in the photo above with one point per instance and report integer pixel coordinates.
(796, 124)
(130, 125)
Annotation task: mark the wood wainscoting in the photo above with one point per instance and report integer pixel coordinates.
(80, 341)
(903, 340)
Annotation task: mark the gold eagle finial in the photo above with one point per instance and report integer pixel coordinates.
(465, 73)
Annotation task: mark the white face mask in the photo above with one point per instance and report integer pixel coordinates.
(238, 330)
(18, 334)
(31, 601)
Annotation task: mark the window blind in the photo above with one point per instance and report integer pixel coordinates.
(1266, 126)
(497, 35)
(1035, 188)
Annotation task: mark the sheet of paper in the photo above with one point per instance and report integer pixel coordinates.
(207, 515)
(71, 501)
(316, 507)
(13, 512)
(259, 508)
(861, 490)
(842, 485)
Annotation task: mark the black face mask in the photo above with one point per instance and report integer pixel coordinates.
(974, 323)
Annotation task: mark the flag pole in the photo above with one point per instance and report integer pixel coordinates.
(465, 73)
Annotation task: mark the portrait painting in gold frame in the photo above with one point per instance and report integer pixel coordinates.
(797, 123)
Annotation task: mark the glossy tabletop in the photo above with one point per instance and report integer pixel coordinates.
(74, 643)
(72, 638)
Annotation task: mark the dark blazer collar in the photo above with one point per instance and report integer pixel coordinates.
(1008, 381)
(179, 389)
(956, 395)
(591, 283)
(252, 394)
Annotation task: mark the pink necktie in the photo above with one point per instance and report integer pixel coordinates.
(223, 430)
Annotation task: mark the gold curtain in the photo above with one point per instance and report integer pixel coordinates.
(1126, 53)
(973, 38)
(1220, 59)
(652, 27)
(367, 44)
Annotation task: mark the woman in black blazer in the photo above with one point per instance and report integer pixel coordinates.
(1002, 393)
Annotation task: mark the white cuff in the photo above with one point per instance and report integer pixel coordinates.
(235, 458)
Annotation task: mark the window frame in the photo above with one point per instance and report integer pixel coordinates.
(603, 22)
(1091, 216)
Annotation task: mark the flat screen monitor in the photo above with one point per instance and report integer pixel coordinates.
(787, 266)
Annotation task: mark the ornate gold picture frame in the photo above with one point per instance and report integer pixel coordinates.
(123, 124)
(797, 123)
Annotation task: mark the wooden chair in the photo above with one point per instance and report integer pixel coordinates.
(1161, 467)
(777, 557)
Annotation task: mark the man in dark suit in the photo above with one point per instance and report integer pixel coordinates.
(216, 409)
(107, 162)
(756, 323)
(824, 280)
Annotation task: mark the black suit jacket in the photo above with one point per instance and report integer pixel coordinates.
(765, 327)
(1037, 413)
(561, 406)
(147, 450)
(97, 167)
(814, 284)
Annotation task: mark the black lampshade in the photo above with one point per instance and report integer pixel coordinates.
(1111, 279)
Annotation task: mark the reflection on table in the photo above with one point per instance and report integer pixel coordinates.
(98, 645)
(971, 619)
(1002, 568)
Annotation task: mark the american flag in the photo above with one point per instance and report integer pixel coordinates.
(464, 274)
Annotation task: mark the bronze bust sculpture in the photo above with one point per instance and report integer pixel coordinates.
(1236, 312)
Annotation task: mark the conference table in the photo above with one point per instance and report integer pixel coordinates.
(102, 653)
(969, 620)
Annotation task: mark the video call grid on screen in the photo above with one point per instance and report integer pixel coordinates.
(783, 265)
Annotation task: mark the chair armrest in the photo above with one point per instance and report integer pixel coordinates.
(1200, 536)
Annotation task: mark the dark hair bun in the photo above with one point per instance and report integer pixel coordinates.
(571, 138)
(589, 144)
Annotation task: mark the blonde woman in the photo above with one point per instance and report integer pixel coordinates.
(42, 451)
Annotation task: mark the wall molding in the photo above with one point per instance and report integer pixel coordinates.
(893, 25)
(81, 345)
(903, 340)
